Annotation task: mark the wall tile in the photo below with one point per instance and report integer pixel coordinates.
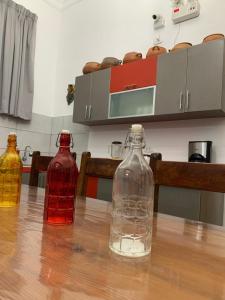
(57, 124)
(80, 142)
(7, 122)
(53, 148)
(74, 127)
(4, 132)
(39, 123)
(41, 134)
(37, 141)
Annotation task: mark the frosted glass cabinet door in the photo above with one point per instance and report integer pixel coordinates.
(140, 102)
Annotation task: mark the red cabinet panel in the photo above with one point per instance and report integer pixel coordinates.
(138, 74)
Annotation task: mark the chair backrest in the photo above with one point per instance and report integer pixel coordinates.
(199, 176)
(94, 167)
(40, 164)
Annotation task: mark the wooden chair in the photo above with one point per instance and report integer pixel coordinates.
(94, 167)
(199, 176)
(40, 164)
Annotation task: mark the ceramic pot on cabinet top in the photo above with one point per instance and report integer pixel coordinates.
(110, 62)
(132, 56)
(213, 37)
(156, 50)
(91, 67)
(181, 46)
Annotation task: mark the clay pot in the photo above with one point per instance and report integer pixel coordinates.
(156, 50)
(213, 37)
(109, 62)
(181, 46)
(132, 56)
(91, 67)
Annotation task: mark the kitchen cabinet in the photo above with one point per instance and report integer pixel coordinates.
(171, 83)
(100, 95)
(135, 75)
(191, 204)
(205, 77)
(82, 98)
(185, 84)
(92, 97)
(191, 80)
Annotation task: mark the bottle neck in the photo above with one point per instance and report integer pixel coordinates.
(11, 147)
(65, 140)
(136, 143)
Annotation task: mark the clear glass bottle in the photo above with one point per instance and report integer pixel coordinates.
(10, 174)
(61, 184)
(131, 227)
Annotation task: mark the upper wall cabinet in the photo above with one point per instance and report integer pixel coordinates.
(188, 83)
(191, 80)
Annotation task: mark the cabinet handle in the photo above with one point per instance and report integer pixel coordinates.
(181, 101)
(89, 112)
(187, 100)
(86, 110)
(131, 87)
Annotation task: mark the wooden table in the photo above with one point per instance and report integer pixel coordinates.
(73, 262)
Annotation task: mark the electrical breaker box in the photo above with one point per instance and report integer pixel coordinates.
(186, 11)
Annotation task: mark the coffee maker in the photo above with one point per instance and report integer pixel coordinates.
(199, 151)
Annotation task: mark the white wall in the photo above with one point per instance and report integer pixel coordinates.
(169, 138)
(92, 30)
(46, 57)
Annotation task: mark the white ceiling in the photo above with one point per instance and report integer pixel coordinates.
(62, 4)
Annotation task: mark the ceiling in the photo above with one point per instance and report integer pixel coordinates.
(62, 4)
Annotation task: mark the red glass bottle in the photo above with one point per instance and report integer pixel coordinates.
(61, 184)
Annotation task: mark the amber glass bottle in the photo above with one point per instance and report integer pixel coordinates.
(10, 174)
(61, 184)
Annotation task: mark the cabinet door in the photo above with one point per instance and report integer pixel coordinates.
(82, 98)
(183, 203)
(171, 83)
(100, 83)
(134, 75)
(204, 76)
(133, 103)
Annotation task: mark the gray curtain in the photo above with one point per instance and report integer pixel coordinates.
(17, 48)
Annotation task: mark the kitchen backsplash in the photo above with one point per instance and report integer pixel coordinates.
(169, 138)
(41, 133)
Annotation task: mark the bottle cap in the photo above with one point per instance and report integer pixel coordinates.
(12, 133)
(137, 128)
(65, 131)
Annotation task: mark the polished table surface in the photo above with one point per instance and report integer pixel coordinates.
(73, 262)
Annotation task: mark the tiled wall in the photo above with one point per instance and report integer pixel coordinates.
(41, 133)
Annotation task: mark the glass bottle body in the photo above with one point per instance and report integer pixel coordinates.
(61, 186)
(131, 227)
(10, 175)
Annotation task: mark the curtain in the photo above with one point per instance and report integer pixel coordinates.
(17, 49)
